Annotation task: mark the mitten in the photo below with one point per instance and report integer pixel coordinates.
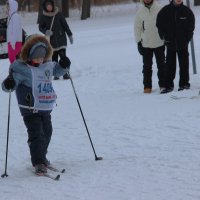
(140, 48)
(9, 83)
(71, 39)
(65, 62)
(48, 33)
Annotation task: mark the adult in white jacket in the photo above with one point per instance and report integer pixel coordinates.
(14, 31)
(149, 43)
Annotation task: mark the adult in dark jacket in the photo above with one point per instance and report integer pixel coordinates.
(53, 24)
(176, 23)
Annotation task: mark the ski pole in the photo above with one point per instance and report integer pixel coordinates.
(96, 157)
(8, 127)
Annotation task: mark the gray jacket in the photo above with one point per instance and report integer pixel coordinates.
(22, 75)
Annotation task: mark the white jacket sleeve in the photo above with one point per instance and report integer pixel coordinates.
(14, 30)
(138, 28)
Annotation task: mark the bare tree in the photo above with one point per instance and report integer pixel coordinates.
(40, 10)
(65, 8)
(196, 2)
(2, 2)
(86, 4)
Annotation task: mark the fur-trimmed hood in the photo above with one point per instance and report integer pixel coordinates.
(45, 2)
(51, 14)
(45, 11)
(32, 40)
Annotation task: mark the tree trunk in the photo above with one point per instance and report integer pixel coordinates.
(65, 8)
(58, 3)
(88, 8)
(86, 4)
(2, 2)
(196, 2)
(40, 10)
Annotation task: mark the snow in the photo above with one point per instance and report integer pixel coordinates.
(150, 143)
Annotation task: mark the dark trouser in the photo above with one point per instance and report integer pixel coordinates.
(60, 53)
(39, 130)
(183, 58)
(148, 62)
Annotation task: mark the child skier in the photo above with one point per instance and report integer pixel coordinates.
(31, 77)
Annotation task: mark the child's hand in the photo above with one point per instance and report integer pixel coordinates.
(9, 83)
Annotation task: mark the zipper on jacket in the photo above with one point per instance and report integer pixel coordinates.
(143, 26)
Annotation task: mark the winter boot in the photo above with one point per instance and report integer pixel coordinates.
(163, 90)
(47, 162)
(56, 78)
(147, 90)
(185, 87)
(166, 90)
(40, 168)
(66, 76)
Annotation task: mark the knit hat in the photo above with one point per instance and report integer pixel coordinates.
(39, 50)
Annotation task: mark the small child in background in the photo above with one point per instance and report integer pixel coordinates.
(14, 30)
(31, 77)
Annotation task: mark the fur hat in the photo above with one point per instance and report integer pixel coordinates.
(36, 46)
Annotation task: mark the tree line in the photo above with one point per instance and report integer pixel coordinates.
(83, 5)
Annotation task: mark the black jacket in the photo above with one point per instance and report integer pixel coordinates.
(176, 25)
(59, 28)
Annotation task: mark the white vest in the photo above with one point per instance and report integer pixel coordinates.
(42, 89)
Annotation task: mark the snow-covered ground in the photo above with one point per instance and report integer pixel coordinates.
(150, 143)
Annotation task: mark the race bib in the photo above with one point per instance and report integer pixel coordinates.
(43, 92)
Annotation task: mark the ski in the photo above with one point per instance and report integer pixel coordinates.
(184, 97)
(176, 97)
(55, 178)
(55, 169)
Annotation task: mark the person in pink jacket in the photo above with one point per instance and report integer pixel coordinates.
(14, 31)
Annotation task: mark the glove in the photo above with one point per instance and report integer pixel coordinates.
(71, 39)
(9, 83)
(65, 62)
(48, 33)
(140, 48)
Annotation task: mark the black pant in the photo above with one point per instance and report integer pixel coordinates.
(39, 128)
(60, 53)
(148, 62)
(183, 58)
